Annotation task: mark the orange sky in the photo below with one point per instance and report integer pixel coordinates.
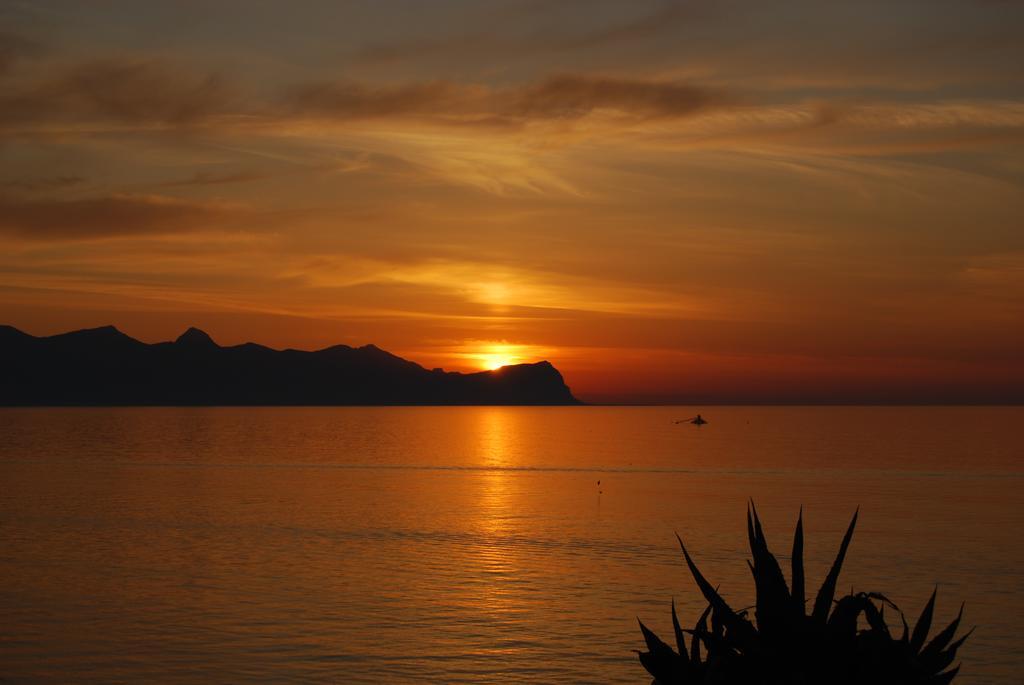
(671, 201)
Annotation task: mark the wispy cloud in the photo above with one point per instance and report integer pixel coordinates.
(136, 93)
(105, 217)
(567, 96)
(123, 90)
(574, 96)
(211, 178)
(349, 100)
(44, 184)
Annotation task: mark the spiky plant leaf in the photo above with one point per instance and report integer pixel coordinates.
(942, 639)
(882, 598)
(721, 608)
(924, 624)
(876, 619)
(678, 630)
(843, 621)
(944, 678)
(797, 565)
(773, 599)
(659, 659)
(823, 602)
(717, 629)
(943, 659)
(702, 626)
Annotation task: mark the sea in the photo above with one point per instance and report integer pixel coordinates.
(476, 544)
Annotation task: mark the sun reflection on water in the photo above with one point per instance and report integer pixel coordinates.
(496, 557)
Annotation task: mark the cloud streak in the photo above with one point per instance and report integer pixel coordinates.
(48, 184)
(126, 91)
(567, 96)
(136, 93)
(209, 178)
(130, 93)
(114, 216)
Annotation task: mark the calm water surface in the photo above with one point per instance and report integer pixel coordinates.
(473, 544)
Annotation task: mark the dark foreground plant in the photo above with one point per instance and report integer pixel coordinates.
(840, 642)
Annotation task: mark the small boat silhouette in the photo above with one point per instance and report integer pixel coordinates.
(697, 420)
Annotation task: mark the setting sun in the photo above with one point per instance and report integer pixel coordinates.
(472, 355)
(497, 356)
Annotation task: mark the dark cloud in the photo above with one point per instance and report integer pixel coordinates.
(14, 47)
(558, 97)
(45, 184)
(120, 90)
(206, 178)
(104, 217)
(359, 101)
(136, 92)
(574, 96)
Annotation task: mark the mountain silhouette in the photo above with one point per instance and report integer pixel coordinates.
(196, 338)
(103, 366)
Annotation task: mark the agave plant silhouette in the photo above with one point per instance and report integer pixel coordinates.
(787, 646)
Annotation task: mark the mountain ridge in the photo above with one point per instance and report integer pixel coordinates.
(105, 367)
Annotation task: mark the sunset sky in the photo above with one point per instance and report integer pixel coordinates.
(670, 201)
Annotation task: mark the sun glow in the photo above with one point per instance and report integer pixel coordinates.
(498, 356)
(474, 354)
(494, 355)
